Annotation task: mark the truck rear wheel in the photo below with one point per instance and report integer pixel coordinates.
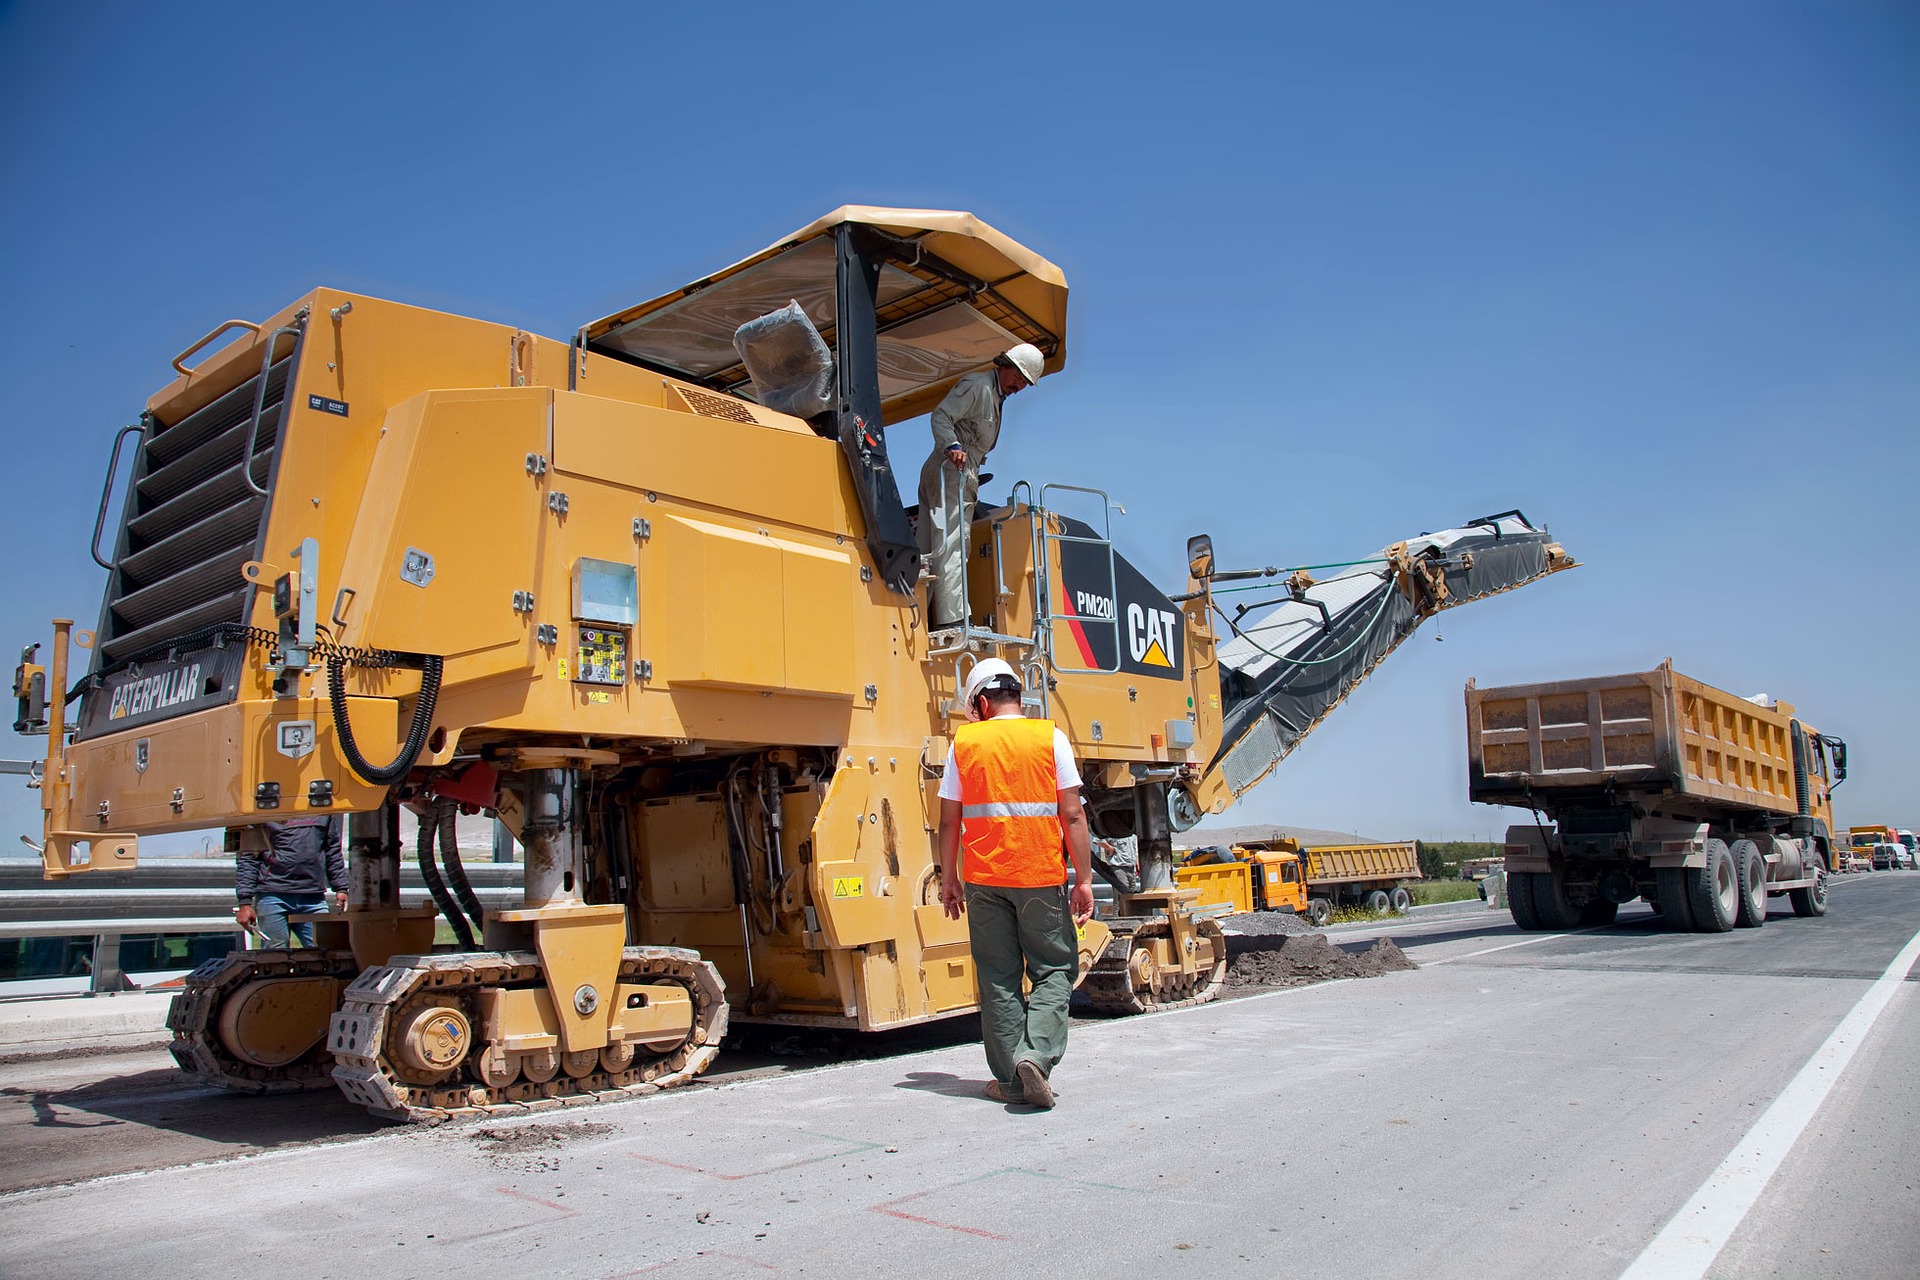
(1378, 900)
(1713, 890)
(1550, 901)
(1676, 907)
(1811, 901)
(1520, 901)
(1401, 899)
(1751, 868)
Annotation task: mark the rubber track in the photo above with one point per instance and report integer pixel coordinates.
(1110, 986)
(195, 1012)
(366, 1075)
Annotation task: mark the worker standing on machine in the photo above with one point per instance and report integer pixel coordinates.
(966, 425)
(1011, 796)
(301, 864)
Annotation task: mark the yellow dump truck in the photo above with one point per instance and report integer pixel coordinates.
(1656, 786)
(1860, 842)
(650, 594)
(1283, 875)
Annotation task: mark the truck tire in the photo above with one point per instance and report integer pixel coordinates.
(1520, 901)
(1401, 900)
(1550, 901)
(1810, 901)
(1676, 909)
(1713, 890)
(1598, 913)
(1750, 866)
(1318, 910)
(1378, 900)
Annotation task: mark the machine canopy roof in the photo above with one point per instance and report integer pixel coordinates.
(954, 293)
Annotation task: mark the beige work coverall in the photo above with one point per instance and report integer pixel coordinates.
(969, 417)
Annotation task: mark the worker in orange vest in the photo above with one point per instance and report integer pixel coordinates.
(1009, 799)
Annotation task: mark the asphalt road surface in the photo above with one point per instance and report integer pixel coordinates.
(1597, 1103)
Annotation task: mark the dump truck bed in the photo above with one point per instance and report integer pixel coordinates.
(1650, 731)
(1339, 864)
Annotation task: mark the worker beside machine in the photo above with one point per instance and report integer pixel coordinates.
(297, 871)
(966, 426)
(1010, 795)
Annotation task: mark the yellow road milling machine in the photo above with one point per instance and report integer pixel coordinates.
(652, 597)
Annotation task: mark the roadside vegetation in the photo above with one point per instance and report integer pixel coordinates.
(1441, 859)
(1428, 892)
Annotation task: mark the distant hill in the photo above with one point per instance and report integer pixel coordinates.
(1308, 836)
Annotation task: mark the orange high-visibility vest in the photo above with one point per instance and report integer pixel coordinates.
(1009, 804)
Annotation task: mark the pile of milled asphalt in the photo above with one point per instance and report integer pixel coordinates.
(1281, 961)
(1265, 923)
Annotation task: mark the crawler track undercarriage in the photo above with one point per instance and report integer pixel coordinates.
(414, 1039)
(256, 1021)
(1168, 962)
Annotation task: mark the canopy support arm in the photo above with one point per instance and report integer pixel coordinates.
(857, 424)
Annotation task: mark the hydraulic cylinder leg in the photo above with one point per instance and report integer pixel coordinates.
(556, 867)
(1156, 836)
(373, 860)
(376, 926)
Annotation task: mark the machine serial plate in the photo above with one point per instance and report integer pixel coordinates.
(603, 656)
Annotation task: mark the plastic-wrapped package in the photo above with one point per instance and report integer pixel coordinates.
(788, 360)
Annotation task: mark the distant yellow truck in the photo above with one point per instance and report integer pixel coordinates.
(1860, 843)
(1281, 875)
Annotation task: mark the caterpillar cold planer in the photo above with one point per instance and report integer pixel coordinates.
(373, 556)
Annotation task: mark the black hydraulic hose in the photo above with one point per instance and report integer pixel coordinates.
(456, 870)
(388, 774)
(430, 873)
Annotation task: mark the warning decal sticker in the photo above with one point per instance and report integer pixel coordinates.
(849, 886)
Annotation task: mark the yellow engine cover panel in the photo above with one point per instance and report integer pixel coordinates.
(747, 608)
(450, 480)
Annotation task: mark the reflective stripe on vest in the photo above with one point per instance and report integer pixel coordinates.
(1022, 809)
(1009, 803)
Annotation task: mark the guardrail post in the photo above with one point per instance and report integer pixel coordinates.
(108, 979)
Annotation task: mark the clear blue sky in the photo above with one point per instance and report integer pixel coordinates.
(1341, 273)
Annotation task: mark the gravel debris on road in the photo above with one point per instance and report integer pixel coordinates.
(1265, 924)
(1298, 961)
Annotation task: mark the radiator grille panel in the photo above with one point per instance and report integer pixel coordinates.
(192, 521)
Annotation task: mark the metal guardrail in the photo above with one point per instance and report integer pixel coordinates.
(168, 897)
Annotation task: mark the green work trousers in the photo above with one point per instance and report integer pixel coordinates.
(1020, 933)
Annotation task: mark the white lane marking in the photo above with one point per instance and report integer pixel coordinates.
(1487, 951)
(1687, 1245)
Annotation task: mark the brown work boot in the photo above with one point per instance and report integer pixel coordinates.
(1008, 1093)
(1036, 1090)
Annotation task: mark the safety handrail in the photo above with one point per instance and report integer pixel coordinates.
(1045, 616)
(180, 361)
(106, 492)
(260, 399)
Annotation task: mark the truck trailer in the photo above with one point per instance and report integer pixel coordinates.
(1283, 875)
(1656, 786)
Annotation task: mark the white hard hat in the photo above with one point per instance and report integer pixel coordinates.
(1027, 359)
(988, 673)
